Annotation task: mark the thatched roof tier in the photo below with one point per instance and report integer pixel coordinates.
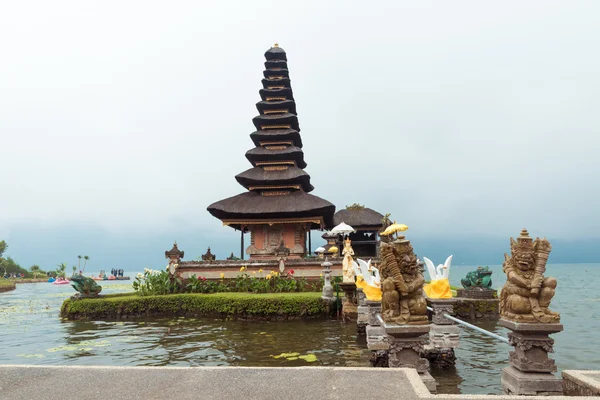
(258, 176)
(275, 83)
(276, 64)
(276, 72)
(295, 206)
(360, 219)
(276, 93)
(275, 53)
(277, 135)
(265, 107)
(280, 121)
(289, 153)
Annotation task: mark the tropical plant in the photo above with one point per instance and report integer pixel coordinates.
(35, 269)
(60, 270)
(153, 282)
(74, 270)
(86, 258)
(79, 262)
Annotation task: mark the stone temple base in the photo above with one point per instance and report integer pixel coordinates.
(515, 382)
(531, 370)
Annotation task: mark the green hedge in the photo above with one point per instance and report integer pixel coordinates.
(228, 305)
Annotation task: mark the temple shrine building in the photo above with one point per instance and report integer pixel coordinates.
(277, 209)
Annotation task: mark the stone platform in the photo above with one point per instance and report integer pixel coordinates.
(581, 383)
(20, 382)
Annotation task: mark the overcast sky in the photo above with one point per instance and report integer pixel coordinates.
(461, 117)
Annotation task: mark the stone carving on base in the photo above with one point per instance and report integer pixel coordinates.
(282, 250)
(209, 256)
(402, 282)
(348, 270)
(526, 294)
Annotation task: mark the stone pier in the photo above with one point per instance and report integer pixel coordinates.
(377, 340)
(531, 370)
(362, 319)
(349, 308)
(406, 348)
(443, 335)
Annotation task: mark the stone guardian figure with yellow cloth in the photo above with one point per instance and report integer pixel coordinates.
(439, 287)
(402, 282)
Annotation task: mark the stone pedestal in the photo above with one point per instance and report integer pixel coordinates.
(443, 335)
(349, 308)
(362, 320)
(374, 309)
(406, 347)
(377, 340)
(530, 371)
(477, 293)
(327, 288)
(477, 304)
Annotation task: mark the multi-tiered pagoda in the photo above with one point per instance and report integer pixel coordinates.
(277, 209)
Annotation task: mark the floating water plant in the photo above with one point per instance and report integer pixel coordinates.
(295, 356)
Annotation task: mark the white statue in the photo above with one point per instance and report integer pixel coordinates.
(439, 287)
(347, 266)
(442, 271)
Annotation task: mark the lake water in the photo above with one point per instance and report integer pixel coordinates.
(31, 332)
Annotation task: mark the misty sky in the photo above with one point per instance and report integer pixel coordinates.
(462, 118)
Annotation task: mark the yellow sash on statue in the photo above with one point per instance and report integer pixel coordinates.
(438, 289)
(372, 293)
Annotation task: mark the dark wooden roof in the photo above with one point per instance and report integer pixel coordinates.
(275, 53)
(271, 64)
(267, 83)
(276, 135)
(359, 218)
(277, 183)
(276, 119)
(257, 176)
(269, 73)
(285, 92)
(291, 153)
(252, 205)
(289, 105)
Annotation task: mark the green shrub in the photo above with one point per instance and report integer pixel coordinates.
(236, 305)
(153, 282)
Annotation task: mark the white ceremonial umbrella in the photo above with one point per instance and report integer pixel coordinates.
(343, 229)
(319, 250)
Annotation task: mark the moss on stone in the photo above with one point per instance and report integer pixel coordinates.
(229, 305)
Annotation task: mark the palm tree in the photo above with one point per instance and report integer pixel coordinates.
(86, 258)
(74, 269)
(60, 271)
(35, 269)
(79, 263)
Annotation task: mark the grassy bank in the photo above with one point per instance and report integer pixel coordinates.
(6, 285)
(29, 280)
(269, 306)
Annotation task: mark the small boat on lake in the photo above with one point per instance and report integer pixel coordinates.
(61, 281)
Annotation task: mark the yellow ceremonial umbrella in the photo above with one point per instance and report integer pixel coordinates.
(394, 228)
(333, 250)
